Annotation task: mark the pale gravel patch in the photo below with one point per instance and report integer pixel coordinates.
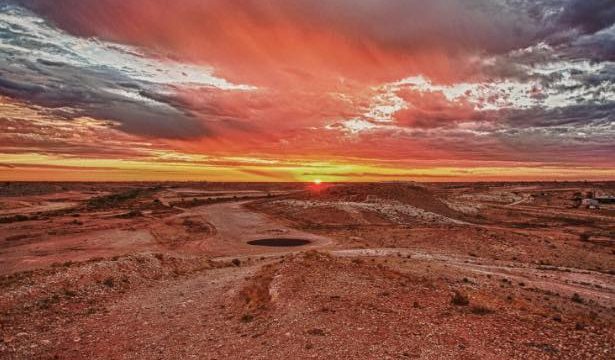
(464, 208)
(394, 211)
(496, 196)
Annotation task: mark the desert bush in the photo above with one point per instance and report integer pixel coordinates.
(69, 293)
(316, 332)
(113, 199)
(577, 298)
(131, 214)
(585, 236)
(109, 282)
(246, 318)
(14, 218)
(460, 299)
(481, 310)
(16, 237)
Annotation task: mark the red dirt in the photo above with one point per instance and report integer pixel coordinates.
(175, 283)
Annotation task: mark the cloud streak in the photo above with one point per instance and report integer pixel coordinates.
(51, 68)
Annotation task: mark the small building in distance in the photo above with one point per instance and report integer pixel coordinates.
(590, 203)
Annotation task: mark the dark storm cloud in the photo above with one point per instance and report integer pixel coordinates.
(488, 25)
(589, 16)
(598, 47)
(77, 88)
(19, 89)
(91, 94)
(40, 130)
(406, 25)
(578, 28)
(572, 117)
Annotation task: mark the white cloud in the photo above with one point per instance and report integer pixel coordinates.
(567, 89)
(355, 126)
(54, 45)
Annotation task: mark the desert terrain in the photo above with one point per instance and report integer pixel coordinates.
(397, 270)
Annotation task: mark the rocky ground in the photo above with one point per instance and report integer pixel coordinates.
(391, 271)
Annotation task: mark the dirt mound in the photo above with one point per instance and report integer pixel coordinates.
(77, 290)
(408, 193)
(318, 306)
(135, 200)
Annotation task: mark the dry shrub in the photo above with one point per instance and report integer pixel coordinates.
(460, 299)
(481, 310)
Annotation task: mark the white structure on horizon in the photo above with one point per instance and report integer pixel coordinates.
(590, 203)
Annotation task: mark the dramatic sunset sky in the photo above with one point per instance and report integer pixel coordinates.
(295, 90)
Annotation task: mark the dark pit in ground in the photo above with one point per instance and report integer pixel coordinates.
(279, 242)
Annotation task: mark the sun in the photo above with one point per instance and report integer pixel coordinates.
(317, 181)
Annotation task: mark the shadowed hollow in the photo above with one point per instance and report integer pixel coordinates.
(279, 242)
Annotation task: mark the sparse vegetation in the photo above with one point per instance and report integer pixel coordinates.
(131, 214)
(113, 199)
(14, 218)
(577, 298)
(109, 282)
(460, 299)
(69, 293)
(17, 237)
(481, 310)
(316, 332)
(246, 318)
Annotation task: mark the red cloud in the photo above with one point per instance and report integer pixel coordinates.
(433, 109)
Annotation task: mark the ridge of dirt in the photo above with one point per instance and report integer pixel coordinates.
(408, 193)
(73, 290)
(325, 307)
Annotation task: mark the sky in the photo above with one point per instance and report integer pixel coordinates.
(298, 90)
